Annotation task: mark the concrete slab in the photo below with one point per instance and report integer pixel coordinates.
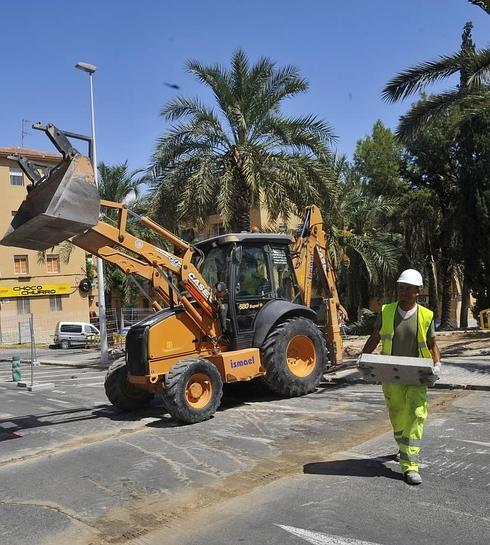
(376, 368)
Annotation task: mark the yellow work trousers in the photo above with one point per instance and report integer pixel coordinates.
(407, 407)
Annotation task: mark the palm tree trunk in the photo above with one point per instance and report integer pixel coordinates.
(446, 281)
(433, 291)
(465, 302)
(241, 220)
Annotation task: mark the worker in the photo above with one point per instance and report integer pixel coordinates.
(406, 329)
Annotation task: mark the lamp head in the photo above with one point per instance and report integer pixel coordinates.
(86, 67)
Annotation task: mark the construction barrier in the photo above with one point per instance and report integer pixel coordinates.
(119, 340)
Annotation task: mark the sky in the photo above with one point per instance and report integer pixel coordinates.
(346, 49)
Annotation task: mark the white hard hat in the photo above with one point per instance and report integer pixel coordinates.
(411, 276)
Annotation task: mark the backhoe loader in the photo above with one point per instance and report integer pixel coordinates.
(231, 308)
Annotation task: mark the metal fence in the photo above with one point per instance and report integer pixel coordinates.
(22, 330)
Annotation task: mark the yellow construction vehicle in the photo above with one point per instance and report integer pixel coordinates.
(232, 308)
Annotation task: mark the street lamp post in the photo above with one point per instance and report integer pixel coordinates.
(104, 352)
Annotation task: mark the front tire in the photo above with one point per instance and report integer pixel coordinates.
(295, 356)
(193, 390)
(120, 392)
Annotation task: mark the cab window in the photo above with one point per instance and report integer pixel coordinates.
(283, 275)
(215, 266)
(253, 274)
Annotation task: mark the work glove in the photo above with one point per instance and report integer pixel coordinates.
(430, 380)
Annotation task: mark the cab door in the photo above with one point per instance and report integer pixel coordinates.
(251, 289)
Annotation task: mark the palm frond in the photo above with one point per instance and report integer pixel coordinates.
(434, 106)
(478, 68)
(483, 4)
(417, 77)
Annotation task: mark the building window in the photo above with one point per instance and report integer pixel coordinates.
(23, 305)
(53, 263)
(218, 229)
(21, 264)
(55, 303)
(16, 177)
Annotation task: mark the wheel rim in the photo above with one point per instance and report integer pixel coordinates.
(301, 356)
(198, 390)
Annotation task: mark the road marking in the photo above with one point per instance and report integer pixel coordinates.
(483, 444)
(317, 538)
(58, 401)
(454, 511)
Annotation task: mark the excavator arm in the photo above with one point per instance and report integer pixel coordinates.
(311, 253)
(64, 203)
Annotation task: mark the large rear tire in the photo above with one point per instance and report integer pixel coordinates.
(120, 392)
(193, 390)
(295, 357)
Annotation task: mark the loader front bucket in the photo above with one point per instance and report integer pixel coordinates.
(64, 204)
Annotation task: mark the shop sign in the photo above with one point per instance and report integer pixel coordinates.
(35, 290)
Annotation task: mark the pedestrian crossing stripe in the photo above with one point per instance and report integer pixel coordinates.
(317, 538)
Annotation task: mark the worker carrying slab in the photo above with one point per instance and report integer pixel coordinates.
(406, 328)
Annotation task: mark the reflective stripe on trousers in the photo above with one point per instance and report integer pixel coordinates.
(407, 407)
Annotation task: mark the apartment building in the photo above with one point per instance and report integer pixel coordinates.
(30, 282)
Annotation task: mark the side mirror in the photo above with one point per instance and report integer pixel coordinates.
(236, 255)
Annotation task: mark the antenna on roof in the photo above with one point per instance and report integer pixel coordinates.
(24, 132)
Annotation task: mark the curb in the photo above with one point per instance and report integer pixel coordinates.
(61, 364)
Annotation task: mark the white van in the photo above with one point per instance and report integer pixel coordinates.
(75, 334)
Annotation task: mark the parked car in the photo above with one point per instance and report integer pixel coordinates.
(75, 334)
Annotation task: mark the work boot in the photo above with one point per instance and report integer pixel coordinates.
(396, 456)
(412, 477)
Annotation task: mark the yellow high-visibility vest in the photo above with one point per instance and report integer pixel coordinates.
(387, 331)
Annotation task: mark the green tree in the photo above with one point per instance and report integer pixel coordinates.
(432, 165)
(378, 159)
(419, 222)
(473, 154)
(365, 254)
(243, 151)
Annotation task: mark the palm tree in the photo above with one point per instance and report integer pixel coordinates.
(244, 151)
(115, 183)
(365, 254)
(472, 95)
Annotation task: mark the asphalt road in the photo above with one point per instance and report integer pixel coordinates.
(74, 470)
(358, 498)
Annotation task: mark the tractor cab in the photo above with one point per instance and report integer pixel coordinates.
(248, 271)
